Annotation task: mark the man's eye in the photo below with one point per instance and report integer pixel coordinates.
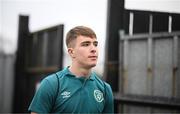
(96, 44)
(85, 44)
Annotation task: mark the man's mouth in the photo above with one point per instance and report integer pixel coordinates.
(92, 57)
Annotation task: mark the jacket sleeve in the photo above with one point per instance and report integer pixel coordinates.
(109, 100)
(43, 98)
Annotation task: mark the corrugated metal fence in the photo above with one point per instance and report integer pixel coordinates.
(149, 70)
(155, 56)
(6, 81)
(39, 53)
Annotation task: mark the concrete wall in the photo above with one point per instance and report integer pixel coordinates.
(6, 82)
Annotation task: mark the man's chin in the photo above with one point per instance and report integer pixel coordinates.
(92, 65)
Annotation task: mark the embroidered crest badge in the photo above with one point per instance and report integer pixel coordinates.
(98, 95)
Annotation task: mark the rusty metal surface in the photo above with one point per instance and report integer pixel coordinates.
(151, 101)
(149, 72)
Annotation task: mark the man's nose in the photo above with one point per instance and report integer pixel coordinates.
(93, 49)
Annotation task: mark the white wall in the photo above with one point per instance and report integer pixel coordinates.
(0, 25)
(171, 6)
(46, 13)
(0, 16)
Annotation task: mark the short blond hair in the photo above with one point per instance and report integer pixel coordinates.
(78, 31)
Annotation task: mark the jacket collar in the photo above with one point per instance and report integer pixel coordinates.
(68, 73)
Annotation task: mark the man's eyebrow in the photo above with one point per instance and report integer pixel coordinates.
(89, 42)
(85, 42)
(95, 42)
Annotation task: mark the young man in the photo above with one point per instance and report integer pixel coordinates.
(75, 89)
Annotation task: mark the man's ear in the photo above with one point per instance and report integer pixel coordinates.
(71, 52)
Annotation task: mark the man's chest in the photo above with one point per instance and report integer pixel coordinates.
(75, 97)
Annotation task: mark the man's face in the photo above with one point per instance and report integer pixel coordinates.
(85, 51)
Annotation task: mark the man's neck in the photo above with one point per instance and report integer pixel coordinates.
(79, 71)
